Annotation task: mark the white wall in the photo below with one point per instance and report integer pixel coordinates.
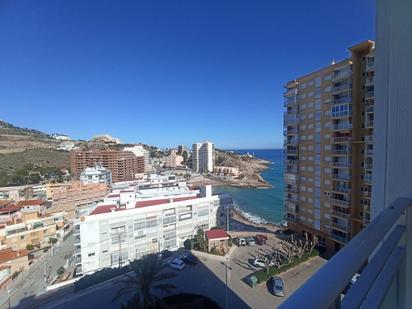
(392, 161)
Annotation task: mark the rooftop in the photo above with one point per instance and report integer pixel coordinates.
(216, 234)
(8, 255)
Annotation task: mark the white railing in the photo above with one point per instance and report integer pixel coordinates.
(383, 245)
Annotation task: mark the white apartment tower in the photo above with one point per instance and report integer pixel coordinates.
(96, 174)
(203, 157)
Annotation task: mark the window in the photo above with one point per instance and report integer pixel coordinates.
(90, 254)
(118, 235)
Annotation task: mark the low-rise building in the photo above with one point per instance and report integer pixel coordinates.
(61, 137)
(133, 223)
(226, 171)
(76, 196)
(96, 174)
(31, 231)
(14, 260)
(217, 239)
(174, 160)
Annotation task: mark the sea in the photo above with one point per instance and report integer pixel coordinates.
(261, 205)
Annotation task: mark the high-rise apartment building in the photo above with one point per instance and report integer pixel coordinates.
(203, 157)
(328, 130)
(124, 165)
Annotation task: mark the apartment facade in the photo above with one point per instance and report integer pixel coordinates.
(75, 196)
(133, 225)
(203, 157)
(124, 165)
(328, 128)
(96, 174)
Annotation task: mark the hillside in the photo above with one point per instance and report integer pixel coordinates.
(14, 139)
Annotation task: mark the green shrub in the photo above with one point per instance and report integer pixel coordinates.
(262, 276)
(60, 271)
(29, 247)
(188, 244)
(52, 240)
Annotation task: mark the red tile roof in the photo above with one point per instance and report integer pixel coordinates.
(163, 201)
(4, 203)
(103, 209)
(113, 195)
(216, 234)
(9, 209)
(107, 208)
(30, 203)
(8, 255)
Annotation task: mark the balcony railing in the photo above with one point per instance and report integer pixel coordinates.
(341, 100)
(291, 119)
(338, 238)
(292, 151)
(369, 123)
(292, 141)
(339, 214)
(341, 139)
(342, 126)
(341, 189)
(346, 151)
(341, 75)
(382, 246)
(340, 202)
(368, 139)
(291, 92)
(369, 94)
(341, 88)
(291, 162)
(368, 152)
(367, 178)
(340, 164)
(341, 176)
(340, 226)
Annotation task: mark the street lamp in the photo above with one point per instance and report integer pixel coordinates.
(9, 298)
(227, 268)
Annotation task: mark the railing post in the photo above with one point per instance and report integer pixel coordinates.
(408, 260)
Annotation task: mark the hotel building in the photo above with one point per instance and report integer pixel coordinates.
(136, 221)
(203, 157)
(124, 165)
(328, 128)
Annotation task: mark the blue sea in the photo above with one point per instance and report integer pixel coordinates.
(261, 205)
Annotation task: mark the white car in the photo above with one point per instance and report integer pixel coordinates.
(278, 286)
(176, 264)
(259, 263)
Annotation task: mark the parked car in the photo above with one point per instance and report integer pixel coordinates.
(258, 263)
(176, 263)
(250, 241)
(241, 241)
(261, 239)
(189, 259)
(278, 286)
(166, 254)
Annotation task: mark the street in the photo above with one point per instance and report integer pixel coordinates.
(33, 280)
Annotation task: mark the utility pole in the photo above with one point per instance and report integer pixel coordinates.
(227, 269)
(227, 218)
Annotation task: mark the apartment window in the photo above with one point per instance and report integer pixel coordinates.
(303, 198)
(310, 105)
(310, 179)
(317, 81)
(310, 94)
(327, 170)
(310, 126)
(303, 188)
(90, 254)
(310, 168)
(317, 182)
(328, 77)
(303, 148)
(318, 115)
(118, 235)
(310, 116)
(327, 101)
(327, 136)
(303, 126)
(310, 189)
(151, 223)
(327, 182)
(139, 225)
(117, 258)
(303, 106)
(317, 137)
(328, 147)
(328, 89)
(317, 213)
(317, 203)
(310, 137)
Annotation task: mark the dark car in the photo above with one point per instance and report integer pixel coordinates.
(261, 239)
(189, 259)
(166, 254)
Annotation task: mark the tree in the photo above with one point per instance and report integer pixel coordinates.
(148, 273)
(200, 243)
(188, 244)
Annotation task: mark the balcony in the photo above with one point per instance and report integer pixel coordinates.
(369, 94)
(369, 109)
(290, 101)
(340, 164)
(368, 152)
(341, 139)
(339, 214)
(342, 126)
(368, 139)
(342, 151)
(291, 207)
(291, 119)
(291, 162)
(341, 88)
(294, 141)
(370, 66)
(291, 188)
(339, 238)
(369, 123)
(367, 166)
(340, 75)
(292, 131)
(342, 100)
(292, 152)
(369, 81)
(340, 202)
(341, 189)
(367, 178)
(344, 177)
(290, 217)
(343, 227)
(292, 170)
(291, 92)
(382, 247)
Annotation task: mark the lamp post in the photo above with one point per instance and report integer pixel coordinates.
(227, 269)
(9, 298)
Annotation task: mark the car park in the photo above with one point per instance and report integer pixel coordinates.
(261, 239)
(250, 241)
(258, 263)
(189, 259)
(176, 263)
(241, 241)
(278, 286)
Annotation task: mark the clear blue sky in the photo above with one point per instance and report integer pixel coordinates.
(167, 72)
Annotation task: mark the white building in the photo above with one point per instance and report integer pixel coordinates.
(61, 137)
(140, 151)
(203, 157)
(132, 223)
(106, 138)
(96, 174)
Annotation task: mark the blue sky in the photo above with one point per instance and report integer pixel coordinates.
(167, 72)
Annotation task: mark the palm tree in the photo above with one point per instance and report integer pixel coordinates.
(145, 281)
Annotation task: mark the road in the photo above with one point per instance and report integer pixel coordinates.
(40, 271)
(207, 278)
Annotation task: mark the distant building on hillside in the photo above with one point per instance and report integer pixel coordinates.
(203, 157)
(106, 138)
(96, 174)
(124, 165)
(61, 137)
